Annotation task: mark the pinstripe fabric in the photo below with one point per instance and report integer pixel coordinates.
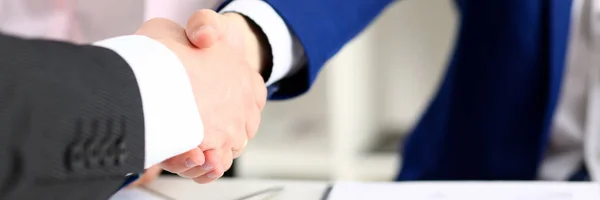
(71, 121)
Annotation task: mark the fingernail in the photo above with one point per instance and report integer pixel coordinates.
(190, 163)
(207, 167)
(213, 175)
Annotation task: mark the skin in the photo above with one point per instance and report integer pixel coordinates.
(212, 38)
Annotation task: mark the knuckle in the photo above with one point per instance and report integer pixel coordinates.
(253, 133)
(232, 129)
(249, 105)
(210, 143)
(214, 138)
(202, 14)
(207, 12)
(230, 144)
(237, 149)
(261, 102)
(207, 145)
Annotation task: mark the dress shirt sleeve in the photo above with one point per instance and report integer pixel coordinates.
(171, 118)
(288, 53)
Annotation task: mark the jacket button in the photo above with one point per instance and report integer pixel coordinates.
(92, 156)
(108, 157)
(121, 152)
(75, 158)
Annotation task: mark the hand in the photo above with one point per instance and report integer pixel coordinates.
(149, 175)
(206, 27)
(209, 30)
(229, 96)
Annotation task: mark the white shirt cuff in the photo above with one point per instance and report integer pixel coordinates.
(171, 118)
(288, 53)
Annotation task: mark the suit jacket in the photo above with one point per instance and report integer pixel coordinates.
(490, 118)
(71, 121)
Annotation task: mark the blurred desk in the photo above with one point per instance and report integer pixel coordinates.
(234, 189)
(229, 189)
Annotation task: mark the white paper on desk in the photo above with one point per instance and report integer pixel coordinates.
(466, 191)
(135, 194)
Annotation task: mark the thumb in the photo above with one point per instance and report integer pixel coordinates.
(205, 27)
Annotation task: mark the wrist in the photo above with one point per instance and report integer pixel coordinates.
(165, 91)
(258, 51)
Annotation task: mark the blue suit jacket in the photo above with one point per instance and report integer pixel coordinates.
(491, 116)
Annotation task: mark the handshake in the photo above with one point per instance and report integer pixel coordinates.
(223, 58)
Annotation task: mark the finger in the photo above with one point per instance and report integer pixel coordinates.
(228, 135)
(238, 152)
(212, 160)
(260, 91)
(226, 159)
(254, 117)
(238, 142)
(253, 123)
(149, 175)
(214, 139)
(205, 27)
(185, 161)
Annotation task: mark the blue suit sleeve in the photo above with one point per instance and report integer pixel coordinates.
(323, 27)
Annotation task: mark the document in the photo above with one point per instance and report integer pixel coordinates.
(466, 191)
(136, 194)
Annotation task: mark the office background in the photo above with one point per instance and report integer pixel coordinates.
(370, 95)
(367, 98)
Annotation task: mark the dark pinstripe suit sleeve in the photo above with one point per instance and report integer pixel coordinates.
(71, 121)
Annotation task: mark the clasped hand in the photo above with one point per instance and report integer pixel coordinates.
(229, 91)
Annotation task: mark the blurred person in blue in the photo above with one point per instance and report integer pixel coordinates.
(520, 99)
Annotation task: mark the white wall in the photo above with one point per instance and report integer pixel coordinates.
(414, 38)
